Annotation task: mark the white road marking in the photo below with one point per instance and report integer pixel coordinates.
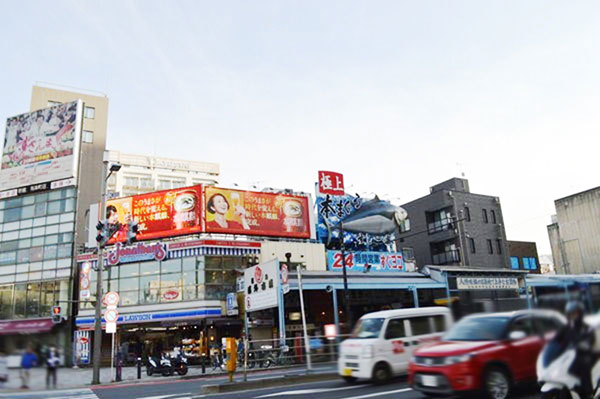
(167, 396)
(372, 395)
(60, 394)
(306, 391)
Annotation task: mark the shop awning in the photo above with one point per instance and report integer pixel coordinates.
(31, 326)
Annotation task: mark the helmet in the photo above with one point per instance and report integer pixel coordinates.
(574, 312)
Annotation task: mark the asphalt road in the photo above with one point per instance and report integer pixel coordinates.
(192, 389)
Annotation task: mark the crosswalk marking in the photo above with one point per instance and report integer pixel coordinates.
(372, 395)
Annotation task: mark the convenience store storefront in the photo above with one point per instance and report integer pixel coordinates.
(171, 293)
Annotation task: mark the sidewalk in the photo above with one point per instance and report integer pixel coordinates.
(68, 378)
(82, 377)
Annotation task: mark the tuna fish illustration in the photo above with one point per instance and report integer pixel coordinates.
(374, 217)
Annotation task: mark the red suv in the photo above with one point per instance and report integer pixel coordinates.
(489, 352)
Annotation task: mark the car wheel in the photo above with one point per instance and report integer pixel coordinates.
(350, 380)
(496, 383)
(381, 373)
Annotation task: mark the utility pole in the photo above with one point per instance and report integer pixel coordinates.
(99, 294)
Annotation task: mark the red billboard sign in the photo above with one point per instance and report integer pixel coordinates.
(159, 214)
(331, 183)
(256, 213)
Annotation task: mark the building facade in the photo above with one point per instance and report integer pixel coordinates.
(142, 174)
(452, 226)
(575, 233)
(524, 256)
(43, 224)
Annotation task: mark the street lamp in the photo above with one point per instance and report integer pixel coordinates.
(115, 167)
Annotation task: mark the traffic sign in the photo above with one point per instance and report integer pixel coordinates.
(111, 328)
(111, 299)
(111, 315)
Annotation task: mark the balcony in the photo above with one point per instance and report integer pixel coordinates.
(446, 258)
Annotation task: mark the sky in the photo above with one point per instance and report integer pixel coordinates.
(396, 95)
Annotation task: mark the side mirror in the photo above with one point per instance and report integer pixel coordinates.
(517, 335)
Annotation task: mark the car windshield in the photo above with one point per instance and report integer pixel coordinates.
(367, 328)
(478, 329)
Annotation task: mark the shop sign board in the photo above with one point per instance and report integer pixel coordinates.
(487, 283)
(159, 214)
(41, 146)
(257, 213)
(239, 283)
(331, 183)
(84, 280)
(262, 286)
(135, 253)
(232, 305)
(82, 347)
(390, 262)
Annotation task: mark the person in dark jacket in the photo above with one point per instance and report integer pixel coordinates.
(28, 360)
(52, 363)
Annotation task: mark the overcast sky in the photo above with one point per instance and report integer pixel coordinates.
(396, 95)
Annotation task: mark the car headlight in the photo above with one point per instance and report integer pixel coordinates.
(457, 359)
(368, 351)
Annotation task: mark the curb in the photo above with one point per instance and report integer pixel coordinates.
(266, 383)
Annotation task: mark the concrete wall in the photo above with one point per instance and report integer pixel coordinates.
(312, 254)
(578, 219)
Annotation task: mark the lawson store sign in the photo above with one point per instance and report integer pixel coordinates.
(154, 317)
(357, 261)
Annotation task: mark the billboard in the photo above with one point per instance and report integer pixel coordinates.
(357, 261)
(331, 183)
(41, 146)
(159, 214)
(335, 209)
(262, 286)
(256, 213)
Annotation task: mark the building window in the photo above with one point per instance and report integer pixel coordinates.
(131, 181)
(472, 245)
(467, 214)
(164, 184)
(490, 247)
(439, 221)
(525, 263)
(499, 246)
(532, 263)
(493, 216)
(485, 216)
(408, 253)
(89, 112)
(87, 136)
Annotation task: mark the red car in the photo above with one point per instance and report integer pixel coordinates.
(486, 352)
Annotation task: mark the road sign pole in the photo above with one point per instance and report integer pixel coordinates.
(112, 355)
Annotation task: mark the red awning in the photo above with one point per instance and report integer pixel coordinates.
(30, 326)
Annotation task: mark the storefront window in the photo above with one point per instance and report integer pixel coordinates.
(189, 292)
(47, 297)
(215, 292)
(147, 268)
(6, 292)
(149, 282)
(129, 298)
(33, 300)
(20, 292)
(232, 263)
(214, 277)
(212, 262)
(129, 270)
(189, 264)
(171, 266)
(148, 296)
(128, 284)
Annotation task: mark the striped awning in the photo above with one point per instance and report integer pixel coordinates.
(219, 251)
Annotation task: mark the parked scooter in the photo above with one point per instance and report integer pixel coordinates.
(162, 366)
(179, 363)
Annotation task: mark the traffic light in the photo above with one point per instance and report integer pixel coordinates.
(132, 229)
(103, 233)
(106, 231)
(56, 317)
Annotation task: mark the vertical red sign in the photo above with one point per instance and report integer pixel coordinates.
(331, 183)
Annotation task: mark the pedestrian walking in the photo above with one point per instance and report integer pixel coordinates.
(3, 370)
(28, 360)
(52, 362)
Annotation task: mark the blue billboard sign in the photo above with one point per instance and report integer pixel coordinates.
(357, 261)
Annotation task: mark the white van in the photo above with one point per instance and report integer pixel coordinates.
(382, 343)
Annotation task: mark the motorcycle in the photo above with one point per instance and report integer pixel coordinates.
(554, 363)
(162, 366)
